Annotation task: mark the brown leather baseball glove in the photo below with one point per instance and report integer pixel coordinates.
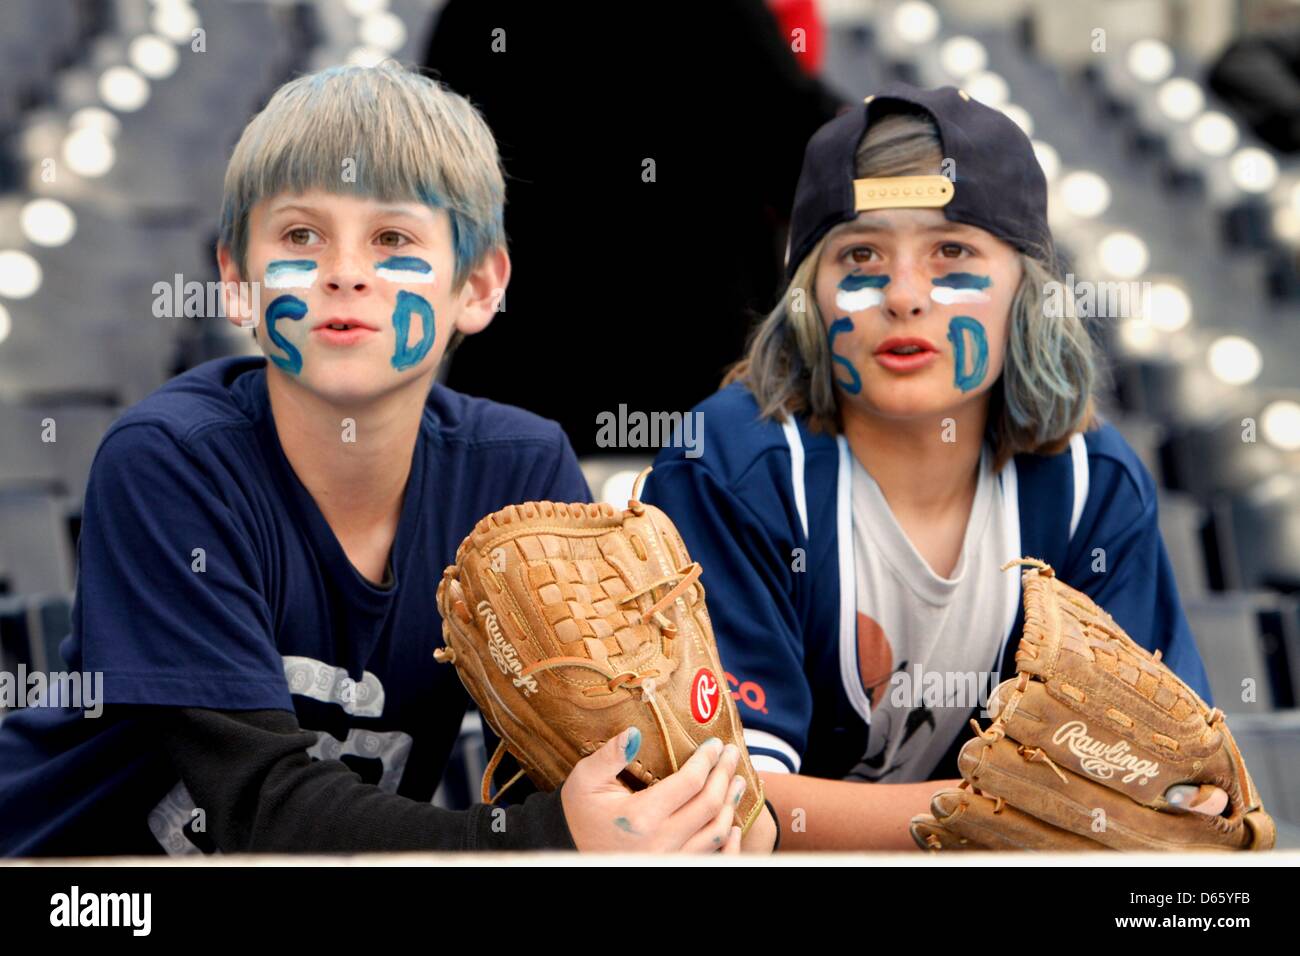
(1084, 744)
(569, 623)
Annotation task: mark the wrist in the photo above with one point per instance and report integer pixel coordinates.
(765, 834)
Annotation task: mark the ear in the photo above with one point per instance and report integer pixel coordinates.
(241, 310)
(483, 291)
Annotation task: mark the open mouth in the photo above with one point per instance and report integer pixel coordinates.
(343, 325)
(901, 346)
(905, 354)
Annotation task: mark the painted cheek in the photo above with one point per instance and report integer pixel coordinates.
(291, 273)
(857, 292)
(291, 308)
(853, 384)
(968, 339)
(406, 355)
(407, 270)
(960, 287)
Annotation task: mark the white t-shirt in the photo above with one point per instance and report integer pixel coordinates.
(927, 646)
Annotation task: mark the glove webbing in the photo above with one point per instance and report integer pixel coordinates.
(682, 582)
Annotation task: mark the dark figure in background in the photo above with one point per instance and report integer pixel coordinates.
(1259, 77)
(661, 279)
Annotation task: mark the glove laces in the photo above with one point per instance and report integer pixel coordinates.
(643, 680)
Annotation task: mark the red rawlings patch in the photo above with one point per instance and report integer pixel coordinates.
(705, 692)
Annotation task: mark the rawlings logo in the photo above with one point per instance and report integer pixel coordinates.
(503, 652)
(704, 696)
(1103, 760)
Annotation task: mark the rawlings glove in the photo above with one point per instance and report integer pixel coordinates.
(1085, 742)
(568, 623)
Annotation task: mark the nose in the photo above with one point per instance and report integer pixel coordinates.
(907, 296)
(347, 272)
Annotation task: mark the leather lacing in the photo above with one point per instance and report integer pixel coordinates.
(643, 680)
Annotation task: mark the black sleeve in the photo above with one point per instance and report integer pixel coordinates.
(260, 791)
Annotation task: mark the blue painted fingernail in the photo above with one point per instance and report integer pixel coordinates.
(633, 745)
(740, 785)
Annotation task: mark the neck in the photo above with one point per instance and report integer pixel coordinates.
(918, 470)
(357, 483)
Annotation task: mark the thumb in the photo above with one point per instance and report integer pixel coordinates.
(607, 762)
(1190, 798)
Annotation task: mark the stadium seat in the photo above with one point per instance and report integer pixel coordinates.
(1258, 530)
(35, 551)
(1270, 745)
(1226, 628)
(1181, 518)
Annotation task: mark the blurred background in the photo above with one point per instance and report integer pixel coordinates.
(1168, 130)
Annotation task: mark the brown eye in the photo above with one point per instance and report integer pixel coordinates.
(299, 237)
(860, 254)
(951, 250)
(397, 238)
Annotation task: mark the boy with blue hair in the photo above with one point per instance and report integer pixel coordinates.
(262, 540)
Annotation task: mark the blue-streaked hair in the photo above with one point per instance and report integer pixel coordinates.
(383, 132)
(1045, 392)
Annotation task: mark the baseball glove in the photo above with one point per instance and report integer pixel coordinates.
(1084, 743)
(569, 623)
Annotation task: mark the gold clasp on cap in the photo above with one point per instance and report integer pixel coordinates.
(896, 192)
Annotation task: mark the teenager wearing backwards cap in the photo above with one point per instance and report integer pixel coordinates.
(908, 418)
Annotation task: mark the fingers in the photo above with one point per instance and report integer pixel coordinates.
(732, 845)
(714, 836)
(604, 765)
(705, 805)
(1190, 798)
(678, 789)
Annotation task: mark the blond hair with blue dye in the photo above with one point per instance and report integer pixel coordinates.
(384, 133)
(1045, 393)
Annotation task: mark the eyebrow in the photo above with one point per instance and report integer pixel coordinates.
(397, 211)
(291, 207)
(388, 211)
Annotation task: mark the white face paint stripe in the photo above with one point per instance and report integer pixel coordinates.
(858, 300)
(946, 296)
(291, 279)
(405, 276)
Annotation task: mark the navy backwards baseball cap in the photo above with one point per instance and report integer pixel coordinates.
(997, 184)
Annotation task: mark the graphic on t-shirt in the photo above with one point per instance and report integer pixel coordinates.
(332, 685)
(875, 659)
(172, 820)
(875, 665)
(881, 733)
